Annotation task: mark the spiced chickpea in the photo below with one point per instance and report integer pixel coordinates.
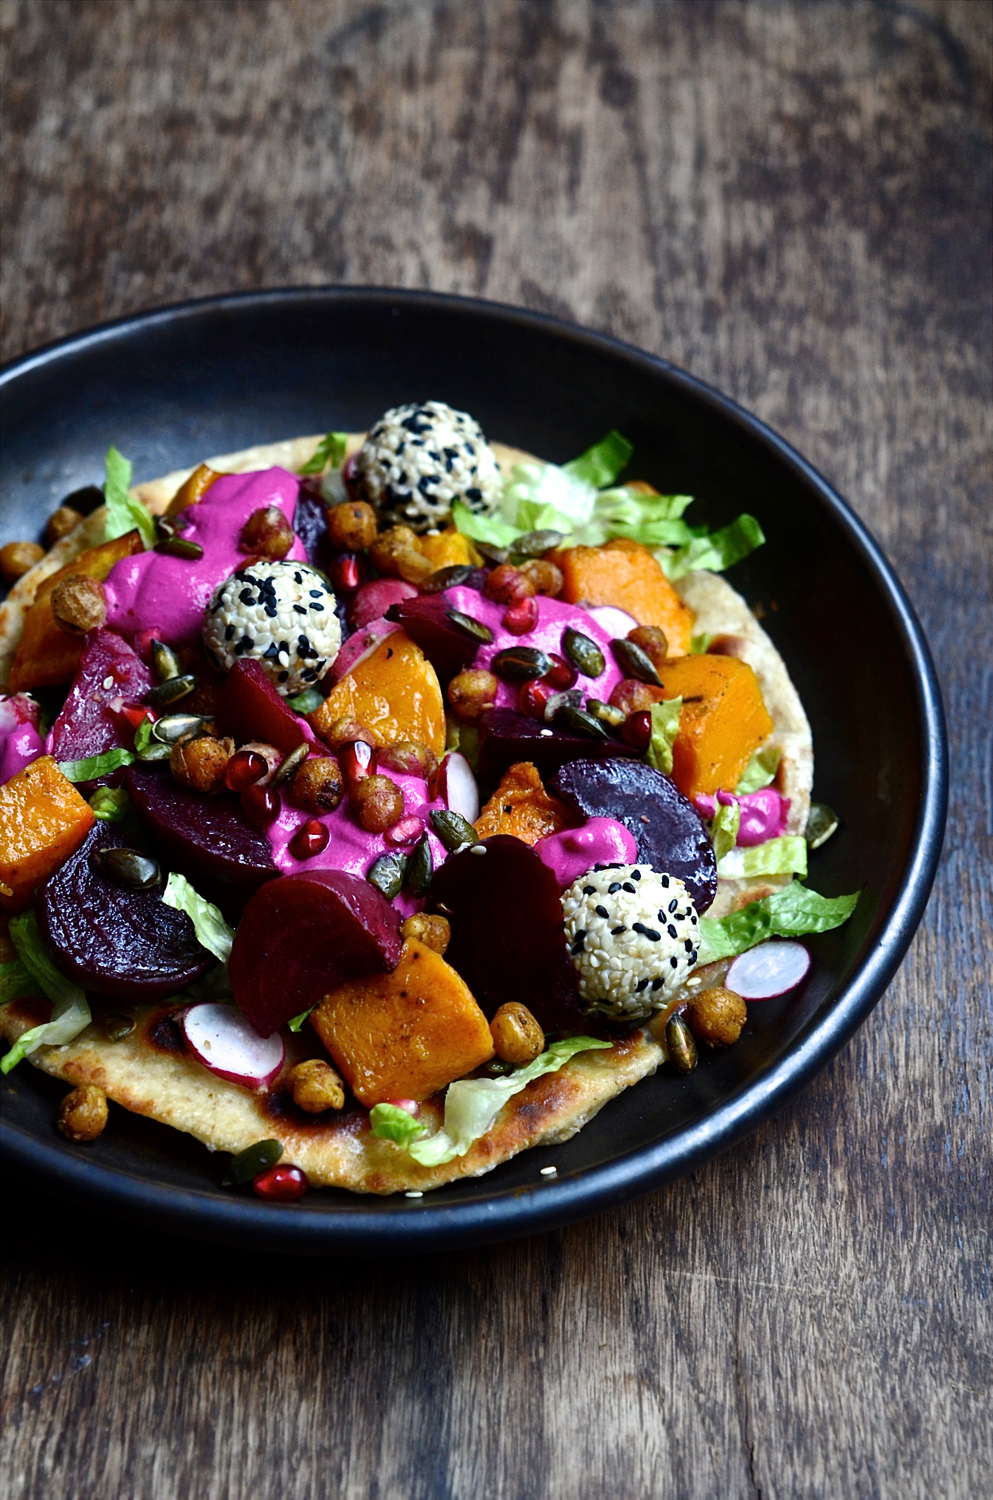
(508, 585)
(316, 1087)
(78, 604)
(652, 641)
(17, 557)
(378, 803)
(545, 576)
(433, 932)
(715, 1016)
(632, 696)
(470, 693)
(83, 1113)
(352, 526)
(517, 1037)
(318, 785)
(60, 523)
(394, 554)
(409, 758)
(267, 533)
(201, 764)
(346, 731)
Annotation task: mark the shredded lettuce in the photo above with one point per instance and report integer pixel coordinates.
(330, 450)
(700, 644)
(95, 765)
(760, 771)
(794, 911)
(124, 512)
(714, 552)
(490, 529)
(601, 464)
(724, 830)
(110, 804)
(306, 702)
(147, 748)
(295, 1022)
(70, 1012)
(213, 933)
(782, 856)
(15, 982)
(391, 1123)
(665, 727)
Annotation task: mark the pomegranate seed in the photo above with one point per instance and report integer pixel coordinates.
(532, 699)
(522, 617)
(244, 769)
(310, 838)
(561, 675)
(637, 730)
(405, 831)
(142, 642)
(357, 761)
(260, 805)
(347, 572)
(281, 1184)
(410, 1105)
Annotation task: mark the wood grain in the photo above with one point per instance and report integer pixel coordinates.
(792, 200)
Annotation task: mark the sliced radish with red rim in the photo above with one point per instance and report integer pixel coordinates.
(615, 622)
(457, 785)
(769, 970)
(224, 1042)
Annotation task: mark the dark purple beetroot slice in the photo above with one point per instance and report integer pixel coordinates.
(114, 940)
(303, 935)
(108, 671)
(310, 523)
(667, 827)
(426, 621)
(508, 939)
(506, 737)
(207, 839)
(250, 708)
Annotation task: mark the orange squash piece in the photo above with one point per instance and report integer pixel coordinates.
(43, 819)
(448, 549)
(625, 574)
(522, 808)
(192, 490)
(394, 693)
(45, 654)
(722, 722)
(407, 1034)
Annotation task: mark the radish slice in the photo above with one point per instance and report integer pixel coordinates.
(616, 622)
(225, 1043)
(768, 970)
(457, 785)
(374, 599)
(360, 645)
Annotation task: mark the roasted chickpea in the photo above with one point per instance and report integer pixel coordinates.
(716, 1016)
(78, 604)
(83, 1113)
(378, 803)
(60, 523)
(652, 641)
(201, 764)
(267, 533)
(409, 758)
(433, 932)
(470, 693)
(318, 785)
(517, 1037)
(352, 526)
(316, 1087)
(544, 575)
(633, 696)
(508, 585)
(346, 732)
(17, 557)
(394, 554)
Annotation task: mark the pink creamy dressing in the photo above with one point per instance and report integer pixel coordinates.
(171, 593)
(20, 742)
(600, 841)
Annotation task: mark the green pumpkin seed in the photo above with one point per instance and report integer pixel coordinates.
(571, 698)
(180, 546)
(118, 1027)
(290, 763)
(578, 720)
(496, 1068)
(172, 728)
(171, 691)
(584, 653)
(165, 662)
(130, 868)
(520, 664)
(493, 554)
(634, 662)
(535, 543)
(256, 1158)
(155, 750)
(447, 578)
(822, 821)
(420, 868)
(606, 713)
(474, 629)
(453, 830)
(387, 873)
(680, 1045)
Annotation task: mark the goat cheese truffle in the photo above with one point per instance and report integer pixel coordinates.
(418, 459)
(633, 936)
(281, 614)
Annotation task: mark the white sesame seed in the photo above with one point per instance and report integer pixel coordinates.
(477, 849)
(549, 1171)
(414, 1193)
(108, 682)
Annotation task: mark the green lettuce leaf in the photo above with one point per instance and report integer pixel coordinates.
(95, 765)
(124, 513)
(782, 856)
(794, 911)
(724, 830)
(70, 1012)
(15, 982)
(472, 1104)
(306, 702)
(391, 1123)
(147, 748)
(760, 771)
(601, 464)
(329, 451)
(295, 1022)
(110, 804)
(715, 551)
(213, 933)
(665, 727)
(700, 644)
(489, 529)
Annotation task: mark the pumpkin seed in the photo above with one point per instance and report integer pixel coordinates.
(453, 830)
(680, 1045)
(289, 763)
(447, 578)
(171, 691)
(581, 722)
(822, 821)
(387, 872)
(584, 653)
(571, 698)
(497, 1068)
(165, 662)
(493, 554)
(606, 713)
(118, 1027)
(634, 662)
(164, 528)
(172, 728)
(180, 546)
(535, 543)
(130, 868)
(420, 868)
(520, 664)
(155, 750)
(256, 1158)
(474, 629)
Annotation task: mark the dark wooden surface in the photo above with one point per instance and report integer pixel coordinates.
(791, 200)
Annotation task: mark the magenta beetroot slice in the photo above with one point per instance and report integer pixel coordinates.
(506, 737)
(114, 940)
(426, 621)
(108, 672)
(666, 826)
(250, 708)
(303, 935)
(508, 938)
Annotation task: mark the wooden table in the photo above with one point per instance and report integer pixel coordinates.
(792, 201)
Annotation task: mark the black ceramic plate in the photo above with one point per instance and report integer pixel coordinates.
(173, 386)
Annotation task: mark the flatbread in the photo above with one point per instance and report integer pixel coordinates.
(149, 1071)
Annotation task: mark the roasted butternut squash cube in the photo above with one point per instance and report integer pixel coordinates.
(407, 1034)
(522, 808)
(43, 820)
(625, 574)
(723, 720)
(192, 490)
(394, 693)
(448, 549)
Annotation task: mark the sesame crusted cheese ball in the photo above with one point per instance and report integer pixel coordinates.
(281, 614)
(418, 459)
(633, 936)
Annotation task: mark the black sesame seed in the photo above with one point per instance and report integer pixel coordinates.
(674, 962)
(245, 644)
(629, 887)
(672, 931)
(589, 890)
(673, 904)
(578, 941)
(284, 676)
(229, 633)
(601, 911)
(297, 578)
(300, 609)
(641, 985)
(688, 946)
(315, 593)
(635, 874)
(614, 885)
(665, 882)
(271, 652)
(246, 597)
(616, 931)
(648, 932)
(657, 983)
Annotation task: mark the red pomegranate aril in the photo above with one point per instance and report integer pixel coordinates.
(405, 831)
(350, 477)
(281, 1184)
(244, 769)
(347, 572)
(260, 804)
(637, 730)
(357, 760)
(522, 617)
(310, 838)
(533, 699)
(411, 1106)
(561, 675)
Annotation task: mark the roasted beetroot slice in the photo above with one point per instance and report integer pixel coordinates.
(112, 940)
(426, 621)
(303, 935)
(508, 940)
(108, 671)
(207, 839)
(667, 828)
(310, 522)
(250, 708)
(506, 737)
